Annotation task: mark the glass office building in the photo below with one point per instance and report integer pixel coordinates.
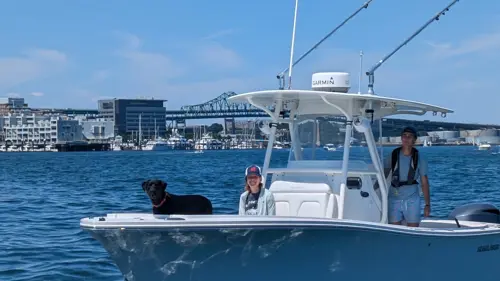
(125, 113)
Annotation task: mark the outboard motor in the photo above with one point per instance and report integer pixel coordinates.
(479, 212)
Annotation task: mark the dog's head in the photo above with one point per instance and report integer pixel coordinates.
(155, 189)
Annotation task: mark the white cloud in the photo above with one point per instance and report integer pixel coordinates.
(219, 34)
(13, 95)
(147, 66)
(169, 76)
(37, 94)
(131, 41)
(482, 43)
(34, 64)
(46, 55)
(101, 75)
(161, 65)
(218, 56)
(151, 66)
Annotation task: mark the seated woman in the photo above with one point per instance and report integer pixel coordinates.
(256, 200)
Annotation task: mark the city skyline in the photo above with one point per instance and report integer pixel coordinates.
(177, 51)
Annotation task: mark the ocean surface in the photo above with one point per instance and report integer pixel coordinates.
(44, 195)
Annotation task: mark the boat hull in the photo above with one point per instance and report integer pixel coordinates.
(484, 148)
(159, 148)
(335, 251)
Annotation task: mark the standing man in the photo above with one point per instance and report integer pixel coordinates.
(403, 170)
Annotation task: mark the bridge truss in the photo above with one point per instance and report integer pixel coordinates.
(218, 107)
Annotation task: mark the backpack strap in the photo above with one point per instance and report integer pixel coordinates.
(414, 154)
(395, 158)
(413, 168)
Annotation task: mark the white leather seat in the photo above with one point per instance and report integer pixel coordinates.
(304, 199)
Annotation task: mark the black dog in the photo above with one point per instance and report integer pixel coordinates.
(165, 203)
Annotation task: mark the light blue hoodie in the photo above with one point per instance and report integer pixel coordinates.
(265, 205)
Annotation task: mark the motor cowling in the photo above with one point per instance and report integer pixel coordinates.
(479, 212)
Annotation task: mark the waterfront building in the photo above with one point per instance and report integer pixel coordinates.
(11, 105)
(491, 136)
(126, 114)
(30, 128)
(98, 130)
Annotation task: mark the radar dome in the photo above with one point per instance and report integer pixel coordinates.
(331, 82)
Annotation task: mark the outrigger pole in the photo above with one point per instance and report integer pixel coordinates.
(371, 72)
(281, 75)
(293, 44)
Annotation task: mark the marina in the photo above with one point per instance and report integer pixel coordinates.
(31, 132)
(152, 128)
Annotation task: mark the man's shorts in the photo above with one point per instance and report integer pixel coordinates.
(404, 209)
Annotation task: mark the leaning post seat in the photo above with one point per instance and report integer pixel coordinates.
(302, 199)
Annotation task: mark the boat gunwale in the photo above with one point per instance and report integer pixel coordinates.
(195, 223)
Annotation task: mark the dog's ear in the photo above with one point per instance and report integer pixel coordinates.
(164, 184)
(145, 185)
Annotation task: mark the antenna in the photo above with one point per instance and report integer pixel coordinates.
(281, 75)
(371, 72)
(293, 44)
(360, 70)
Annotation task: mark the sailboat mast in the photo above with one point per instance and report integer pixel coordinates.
(156, 131)
(140, 129)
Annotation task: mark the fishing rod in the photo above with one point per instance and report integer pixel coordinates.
(281, 75)
(371, 72)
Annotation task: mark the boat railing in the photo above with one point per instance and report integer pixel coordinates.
(319, 170)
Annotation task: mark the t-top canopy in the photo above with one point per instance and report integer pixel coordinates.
(335, 103)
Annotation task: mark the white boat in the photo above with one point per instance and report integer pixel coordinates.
(484, 146)
(277, 145)
(331, 216)
(427, 143)
(177, 141)
(158, 145)
(329, 147)
(207, 142)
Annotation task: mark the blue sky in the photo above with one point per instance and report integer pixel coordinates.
(57, 54)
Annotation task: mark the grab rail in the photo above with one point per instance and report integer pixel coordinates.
(317, 170)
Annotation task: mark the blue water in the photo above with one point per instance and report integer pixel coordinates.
(44, 195)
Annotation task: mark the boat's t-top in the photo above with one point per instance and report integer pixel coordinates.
(332, 189)
(345, 189)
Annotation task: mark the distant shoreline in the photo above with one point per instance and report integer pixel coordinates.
(433, 144)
